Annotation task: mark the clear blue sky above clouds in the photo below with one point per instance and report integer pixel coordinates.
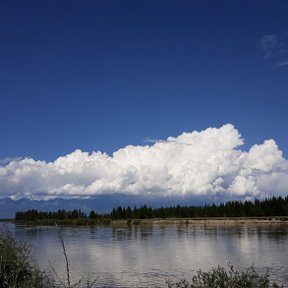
(99, 75)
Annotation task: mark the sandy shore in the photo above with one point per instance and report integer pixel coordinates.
(207, 221)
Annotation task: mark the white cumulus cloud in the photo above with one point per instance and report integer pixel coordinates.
(205, 163)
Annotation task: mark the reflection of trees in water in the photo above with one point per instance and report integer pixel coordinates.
(146, 232)
(274, 232)
(182, 230)
(122, 234)
(131, 232)
(135, 229)
(93, 231)
(162, 229)
(28, 233)
(213, 231)
(32, 232)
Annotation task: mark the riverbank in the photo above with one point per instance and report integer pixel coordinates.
(6, 220)
(161, 221)
(207, 221)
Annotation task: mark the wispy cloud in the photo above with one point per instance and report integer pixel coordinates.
(275, 48)
(269, 45)
(284, 63)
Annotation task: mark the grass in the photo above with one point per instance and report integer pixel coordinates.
(220, 277)
(17, 271)
(67, 283)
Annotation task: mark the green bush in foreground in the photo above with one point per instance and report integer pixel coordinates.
(15, 268)
(226, 278)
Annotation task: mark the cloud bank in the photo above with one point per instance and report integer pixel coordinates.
(205, 163)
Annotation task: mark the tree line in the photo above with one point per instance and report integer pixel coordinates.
(61, 214)
(276, 206)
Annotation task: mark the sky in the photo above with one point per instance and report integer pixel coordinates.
(92, 93)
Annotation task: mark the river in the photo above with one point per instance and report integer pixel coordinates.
(146, 255)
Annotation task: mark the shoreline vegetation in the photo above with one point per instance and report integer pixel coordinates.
(17, 270)
(158, 221)
(273, 210)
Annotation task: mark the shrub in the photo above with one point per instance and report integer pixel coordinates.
(15, 268)
(226, 278)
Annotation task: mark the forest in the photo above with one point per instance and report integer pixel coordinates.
(276, 206)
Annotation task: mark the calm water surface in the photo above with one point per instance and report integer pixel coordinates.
(145, 255)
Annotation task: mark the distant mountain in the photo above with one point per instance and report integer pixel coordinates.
(100, 203)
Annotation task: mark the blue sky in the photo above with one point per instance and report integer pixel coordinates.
(100, 75)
